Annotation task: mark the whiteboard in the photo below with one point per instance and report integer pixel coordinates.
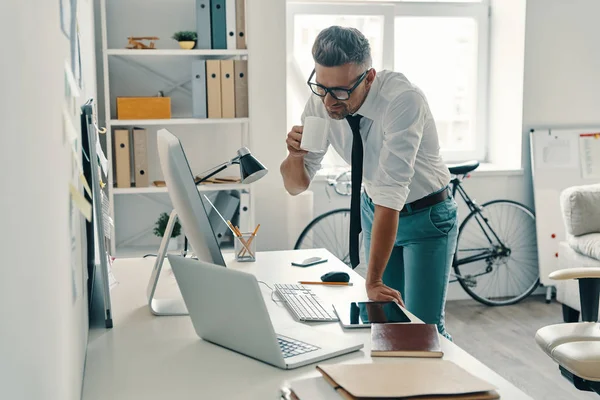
(560, 158)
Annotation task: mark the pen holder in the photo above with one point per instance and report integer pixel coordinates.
(245, 247)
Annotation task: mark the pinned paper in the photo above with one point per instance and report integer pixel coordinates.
(69, 127)
(84, 182)
(72, 88)
(101, 156)
(81, 202)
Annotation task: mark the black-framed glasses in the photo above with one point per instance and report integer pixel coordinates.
(335, 92)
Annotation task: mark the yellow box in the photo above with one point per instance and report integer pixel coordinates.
(143, 107)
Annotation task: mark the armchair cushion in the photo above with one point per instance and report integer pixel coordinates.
(588, 245)
(581, 211)
(552, 336)
(580, 358)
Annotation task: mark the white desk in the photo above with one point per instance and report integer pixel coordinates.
(148, 357)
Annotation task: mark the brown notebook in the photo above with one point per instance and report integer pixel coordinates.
(412, 379)
(405, 340)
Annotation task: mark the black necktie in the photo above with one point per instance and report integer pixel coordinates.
(357, 169)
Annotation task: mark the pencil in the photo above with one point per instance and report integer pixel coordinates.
(250, 240)
(326, 283)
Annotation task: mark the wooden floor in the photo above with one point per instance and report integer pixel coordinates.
(503, 339)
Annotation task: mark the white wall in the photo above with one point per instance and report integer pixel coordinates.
(43, 327)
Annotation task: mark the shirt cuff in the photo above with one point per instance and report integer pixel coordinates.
(390, 197)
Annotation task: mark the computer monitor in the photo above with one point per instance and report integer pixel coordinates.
(187, 200)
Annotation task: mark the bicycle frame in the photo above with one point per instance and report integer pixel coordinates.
(473, 207)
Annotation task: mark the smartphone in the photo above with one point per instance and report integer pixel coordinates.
(309, 262)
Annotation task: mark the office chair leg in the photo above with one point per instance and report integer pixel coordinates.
(589, 297)
(570, 314)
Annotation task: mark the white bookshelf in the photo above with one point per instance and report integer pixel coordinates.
(201, 188)
(127, 246)
(177, 121)
(175, 52)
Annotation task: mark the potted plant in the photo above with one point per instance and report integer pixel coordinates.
(161, 226)
(186, 39)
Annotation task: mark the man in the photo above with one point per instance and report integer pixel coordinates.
(382, 126)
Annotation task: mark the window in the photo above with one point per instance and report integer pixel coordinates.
(440, 46)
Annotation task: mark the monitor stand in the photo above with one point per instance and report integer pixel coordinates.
(165, 306)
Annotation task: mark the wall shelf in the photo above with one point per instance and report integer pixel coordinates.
(176, 52)
(177, 121)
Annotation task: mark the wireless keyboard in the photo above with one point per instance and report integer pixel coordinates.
(304, 304)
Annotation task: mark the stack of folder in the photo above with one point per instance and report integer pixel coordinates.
(221, 24)
(220, 88)
(413, 379)
(131, 158)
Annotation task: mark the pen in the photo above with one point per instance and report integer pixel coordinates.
(326, 283)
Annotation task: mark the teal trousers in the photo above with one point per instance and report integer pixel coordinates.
(421, 259)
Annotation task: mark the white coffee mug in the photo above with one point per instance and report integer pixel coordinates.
(314, 134)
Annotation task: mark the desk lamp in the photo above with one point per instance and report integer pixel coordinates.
(251, 170)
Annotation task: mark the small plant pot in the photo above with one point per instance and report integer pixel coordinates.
(187, 45)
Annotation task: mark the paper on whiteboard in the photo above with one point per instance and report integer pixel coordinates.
(589, 155)
(555, 152)
(101, 156)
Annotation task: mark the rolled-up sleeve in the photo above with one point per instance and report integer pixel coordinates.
(403, 130)
(312, 161)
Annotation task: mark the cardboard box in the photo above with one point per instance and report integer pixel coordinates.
(143, 107)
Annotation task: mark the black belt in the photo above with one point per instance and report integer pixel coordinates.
(426, 201)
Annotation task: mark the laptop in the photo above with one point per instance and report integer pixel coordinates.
(227, 308)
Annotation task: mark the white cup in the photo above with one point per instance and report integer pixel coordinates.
(314, 134)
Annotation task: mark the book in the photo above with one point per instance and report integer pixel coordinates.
(405, 340)
(420, 379)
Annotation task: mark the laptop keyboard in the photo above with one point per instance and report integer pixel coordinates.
(291, 347)
(304, 304)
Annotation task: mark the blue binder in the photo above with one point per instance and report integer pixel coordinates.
(218, 24)
(203, 24)
(199, 89)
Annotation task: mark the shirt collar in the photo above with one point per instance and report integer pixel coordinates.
(368, 108)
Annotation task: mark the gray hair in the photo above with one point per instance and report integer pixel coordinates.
(337, 45)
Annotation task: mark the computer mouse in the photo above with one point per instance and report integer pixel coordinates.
(335, 276)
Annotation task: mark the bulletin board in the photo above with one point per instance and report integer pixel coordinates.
(560, 158)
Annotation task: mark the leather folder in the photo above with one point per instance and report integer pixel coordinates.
(420, 379)
(240, 23)
(140, 157)
(241, 88)
(227, 89)
(122, 158)
(213, 88)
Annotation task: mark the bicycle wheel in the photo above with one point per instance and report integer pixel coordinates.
(331, 231)
(496, 260)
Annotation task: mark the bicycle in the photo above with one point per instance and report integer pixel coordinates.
(495, 259)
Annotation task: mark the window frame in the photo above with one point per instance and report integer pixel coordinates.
(479, 11)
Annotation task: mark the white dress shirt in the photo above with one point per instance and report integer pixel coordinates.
(401, 161)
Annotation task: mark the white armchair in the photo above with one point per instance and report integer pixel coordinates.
(581, 249)
(575, 347)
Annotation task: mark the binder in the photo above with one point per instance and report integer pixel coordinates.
(199, 89)
(213, 88)
(241, 88)
(203, 24)
(122, 158)
(227, 89)
(240, 22)
(231, 23)
(140, 157)
(218, 24)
